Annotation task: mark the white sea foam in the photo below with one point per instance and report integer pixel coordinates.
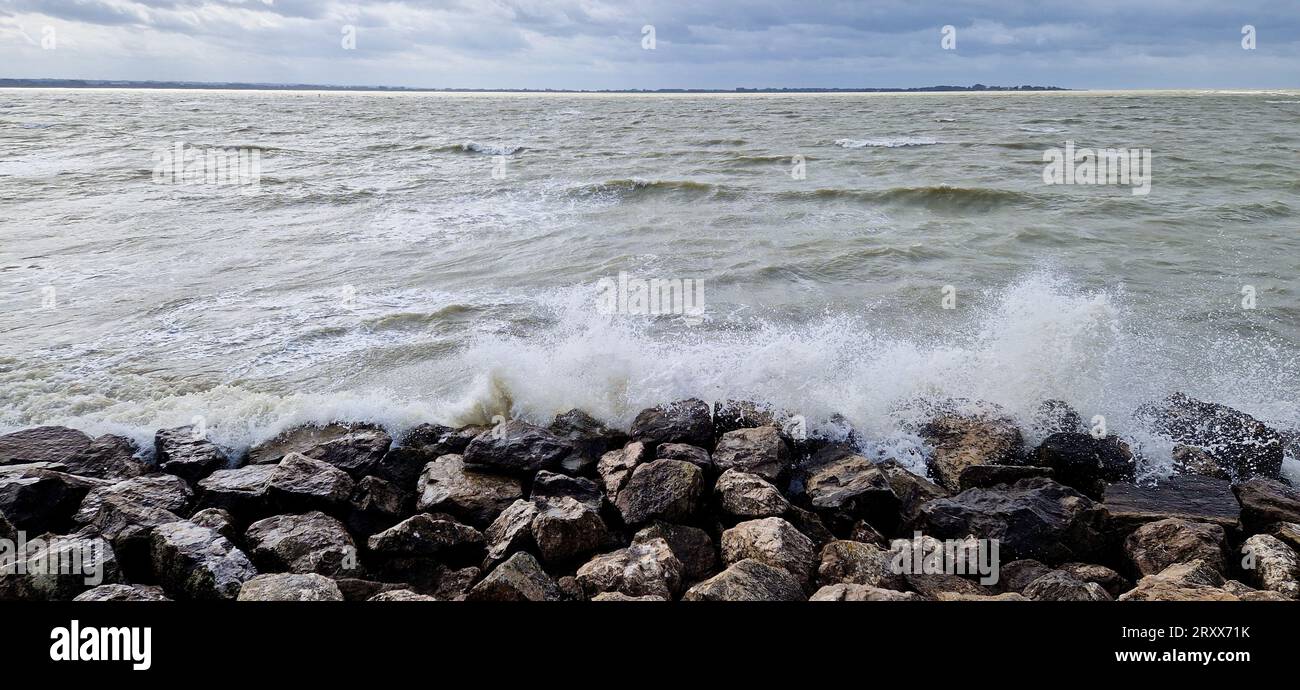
(888, 143)
(492, 149)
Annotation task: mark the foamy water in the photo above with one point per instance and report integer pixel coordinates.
(381, 272)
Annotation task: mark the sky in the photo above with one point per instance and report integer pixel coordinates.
(639, 44)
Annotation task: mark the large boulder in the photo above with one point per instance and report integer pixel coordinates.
(403, 464)
(961, 440)
(684, 421)
(186, 453)
(591, 438)
(426, 535)
(550, 486)
(52, 444)
(300, 439)
(290, 587)
(772, 541)
(107, 457)
(691, 545)
(1269, 564)
(1086, 463)
(759, 451)
(747, 496)
(376, 505)
(120, 592)
(748, 580)
(1193, 498)
(193, 562)
(308, 543)
(851, 562)
(446, 485)
(616, 466)
(128, 526)
(511, 531)
(1241, 445)
(744, 414)
(565, 529)
(911, 490)
(646, 568)
(1060, 585)
(56, 567)
(844, 486)
(300, 483)
(1193, 581)
(242, 492)
(852, 592)
(38, 500)
(517, 447)
(1033, 518)
(356, 452)
(518, 578)
(683, 451)
(669, 490)
(1265, 502)
(1157, 545)
(162, 491)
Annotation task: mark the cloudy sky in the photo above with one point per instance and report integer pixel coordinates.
(598, 44)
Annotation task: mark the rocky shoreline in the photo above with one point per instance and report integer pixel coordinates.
(695, 502)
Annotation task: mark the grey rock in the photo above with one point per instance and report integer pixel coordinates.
(516, 447)
(669, 490)
(193, 562)
(565, 529)
(186, 454)
(748, 580)
(772, 541)
(447, 485)
(290, 587)
(683, 421)
(759, 451)
(747, 496)
(691, 545)
(308, 543)
(644, 568)
(518, 578)
(120, 592)
(426, 535)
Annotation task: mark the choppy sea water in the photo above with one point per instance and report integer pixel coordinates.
(436, 257)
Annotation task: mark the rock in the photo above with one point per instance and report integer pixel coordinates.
(128, 526)
(123, 593)
(217, 520)
(1016, 575)
(511, 531)
(619, 596)
(851, 592)
(515, 447)
(1246, 593)
(1241, 445)
(426, 535)
(748, 580)
(55, 567)
(669, 490)
(565, 529)
(646, 568)
(518, 578)
(549, 486)
(401, 595)
(241, 492)
(357, 452)
(1269, 564)
(1193, 460)
(290, 587)
(845, 486)
(1057, 417)
(376, 505)
(937, 585)
(772, 541)
(300, 483)
(1288, 533)
(1194, 581)
(299, 439)
(684, 421)
(355, 589)
(1264, 502)
(616, 466)
(748, 496)
(573, 591)
(107, 457)
(1157, 545)
(691, 545)
(453, 585)
(812, 526)
(162, 491)
(963, 440)
(681, 451)
(962, 596)
(185, 453)
(757, 451)
(309, 543)
(912, 491)
(742, 414)
(988, 476)
(1060, 585)
(591, 438)
(476, 497)
(54, 444)
(1085, 463)
(1111, 581)
(1033, 518)
(193, 562)
(422, 445)
(1197, 499)
(39, 501)
(862, 531)
(850, 562)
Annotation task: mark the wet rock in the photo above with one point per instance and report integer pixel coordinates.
(757, 451)
(862, 531)
(573, 591)
(748, 580)
(357, 452)
(515, 447)
(217, 520)
(742, 414)
(1194, 581)
(193, 562)
(290, 587)
(646, 568)
(850, 562)
(912, 491)
(1085, 463)
(440, 440)
(684, 421)
(356, 589)
(591, 438)
(56, 567)
(1033, 518)
(128, 526)
(1060, 585)
(107, 457)
(852, 592)
(1288, 533)
(300, 483)
(121, 592)
(669, 490)
(376, 505)
(1264, 502)
(53, 444)
(401, 595)
(616, 466)
(1111, 581)
(565, 529)
(1197, 499)
(963, 440)
(454, 584)
(845, 486)
(691, 545)
(184, 452)
(1193, 460)
(687, 453)
(772, 541)
(39, 501)
(447, 485)
(242, 492)
(812, 526)
(518, 578)
(619, 596)
(748, 496)
(1241, 445)
(299, 439)
(426, 535)
(1016, 575)
(988, 476)
(937, 585)
(511, 531)
(1157, 545)
(162, 491)
(1269, 564)
(309, 543)
(1057, 417)
(963, 596)
(549, 486)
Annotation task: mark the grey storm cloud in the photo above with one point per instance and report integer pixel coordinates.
(699, 43)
